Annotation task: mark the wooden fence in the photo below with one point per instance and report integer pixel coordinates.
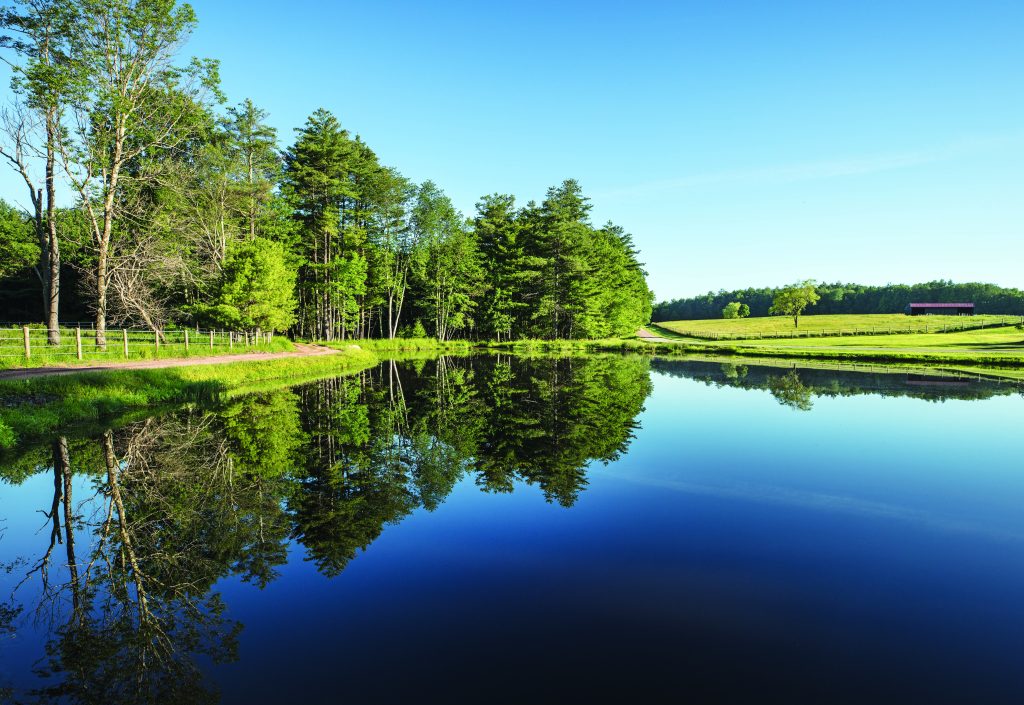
(953, 326)
(78, 341)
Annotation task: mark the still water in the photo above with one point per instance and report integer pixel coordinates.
(500, 529)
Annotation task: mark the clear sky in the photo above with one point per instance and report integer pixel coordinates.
(742, 143)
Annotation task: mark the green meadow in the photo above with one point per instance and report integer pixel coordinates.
(816, 325)
(997, 351)
(36, 407)
(141, 346)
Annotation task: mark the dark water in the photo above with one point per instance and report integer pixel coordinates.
(511, 530)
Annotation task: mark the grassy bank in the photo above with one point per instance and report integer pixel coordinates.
(979, 348)
(39, 406)
(1001, 365)
(64, 355)
(400, 345)
(530, 346)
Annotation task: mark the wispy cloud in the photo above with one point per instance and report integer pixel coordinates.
(819, 170)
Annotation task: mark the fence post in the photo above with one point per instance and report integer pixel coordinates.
(28, 345)
(124, 341)
(186, 340)
(78, 342)
(231, 340)
(211, 340)
(156, 340)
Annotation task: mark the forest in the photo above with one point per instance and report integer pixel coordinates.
(850, 298)
(148, 201)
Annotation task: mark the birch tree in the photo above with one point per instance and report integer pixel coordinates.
(40, 81)
(125, 52)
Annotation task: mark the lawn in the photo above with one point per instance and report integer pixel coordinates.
(811, 325)
(36, 407)
(998, 347)
(1007, 340)
(141, 345)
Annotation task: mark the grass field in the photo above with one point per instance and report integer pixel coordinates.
(35, 407)
(1005, 340)
(998, 351)
(854, 324)
(141, 346)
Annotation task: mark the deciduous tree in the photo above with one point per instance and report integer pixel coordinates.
(792, 301)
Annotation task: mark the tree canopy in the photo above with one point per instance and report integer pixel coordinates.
(792, 300)
(179, 199)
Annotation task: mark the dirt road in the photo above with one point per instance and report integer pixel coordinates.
(650, 337)
(301, 350)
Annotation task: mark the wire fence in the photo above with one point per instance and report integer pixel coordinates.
(33, 343)
(950, 326)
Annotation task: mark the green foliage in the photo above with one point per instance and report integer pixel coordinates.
(735, 309)
(417, 330)
(790, 391)
(256, 288)
(841, 298)
(792, 301)
(169, 184)
(551, 274)
(7, 436)
(997, 351)
(37, 407)
(825, 325)
(253, 147)
(18, 248)
(449, 273)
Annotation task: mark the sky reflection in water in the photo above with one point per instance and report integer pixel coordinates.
(506, 529)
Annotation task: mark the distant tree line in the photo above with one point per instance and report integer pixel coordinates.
(188, 213)
(849, 298)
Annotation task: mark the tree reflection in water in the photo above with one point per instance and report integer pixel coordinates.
(125, 586)
(797, 387)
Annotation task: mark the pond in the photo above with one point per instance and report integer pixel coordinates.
(504, 529)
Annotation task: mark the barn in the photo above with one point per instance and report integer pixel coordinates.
(940, 309)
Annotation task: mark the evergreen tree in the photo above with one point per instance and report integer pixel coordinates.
(450, 271)
(257, 288)
(254, 146)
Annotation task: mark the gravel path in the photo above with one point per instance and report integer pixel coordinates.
(650, 337)
(301, 350)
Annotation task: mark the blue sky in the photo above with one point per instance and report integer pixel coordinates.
(742, 143)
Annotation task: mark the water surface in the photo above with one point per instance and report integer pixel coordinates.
(500, 529)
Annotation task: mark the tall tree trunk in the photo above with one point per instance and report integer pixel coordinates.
(62, 460)
(101, 295)
(391, 297)
(103, 246)
(252, 198)
(53, 245)
(43, 269)
(398, 313)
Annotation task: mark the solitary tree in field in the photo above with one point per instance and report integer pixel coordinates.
(792, 300)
